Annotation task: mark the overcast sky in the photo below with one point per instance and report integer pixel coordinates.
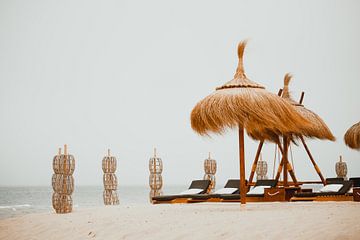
(125, 75)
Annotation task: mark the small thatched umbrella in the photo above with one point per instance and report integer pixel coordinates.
(317, 129)
(245, 104)
(352, 136)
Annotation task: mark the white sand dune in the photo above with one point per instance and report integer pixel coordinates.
(325, 220)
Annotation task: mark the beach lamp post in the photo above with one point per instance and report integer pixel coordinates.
(155, 178)
(63, 181)
(110, 195)
(210, 170)
(246, 105)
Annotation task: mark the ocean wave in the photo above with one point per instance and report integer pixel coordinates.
(13, 207)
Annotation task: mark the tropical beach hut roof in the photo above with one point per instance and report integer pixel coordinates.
(352, 136)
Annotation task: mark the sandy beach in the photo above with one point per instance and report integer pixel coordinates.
(323, 220)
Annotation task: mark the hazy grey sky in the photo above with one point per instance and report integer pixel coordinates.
(126, 75)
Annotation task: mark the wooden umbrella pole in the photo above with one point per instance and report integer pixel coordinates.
(242, 166)
(317, 169)
(253, 168)
(285, 161)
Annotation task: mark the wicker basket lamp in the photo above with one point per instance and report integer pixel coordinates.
(155, 178)
(341, 168)
(210, 170)
(63, 181)
(110, 180)
(261, 169)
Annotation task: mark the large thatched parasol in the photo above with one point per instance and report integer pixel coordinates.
(352, 136)
(245, 104)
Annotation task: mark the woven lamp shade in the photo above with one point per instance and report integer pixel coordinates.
(64, 164)
(62, 203)
(63, 184)
(341, 168)
(110, 181)
(110, 197)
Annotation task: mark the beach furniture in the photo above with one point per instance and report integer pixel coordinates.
(244, 104)
(255, 194)
(196, 187)
(336, 189)
(231, 187)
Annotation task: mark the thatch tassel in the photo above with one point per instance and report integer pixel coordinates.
(286, 93)
(240, 73)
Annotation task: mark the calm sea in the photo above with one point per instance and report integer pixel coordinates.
(15, 201)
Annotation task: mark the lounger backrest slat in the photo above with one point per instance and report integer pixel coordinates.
(232, 183)
(334, 180)
(346, 187)
(268, 182)
(356, 181)
(201, 184)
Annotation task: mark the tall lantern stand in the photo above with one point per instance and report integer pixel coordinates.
(210, 170)
(63, 181)
(110, 181)
(341, 169)
(155, 178)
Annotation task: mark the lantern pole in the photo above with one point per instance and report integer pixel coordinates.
(242, 166)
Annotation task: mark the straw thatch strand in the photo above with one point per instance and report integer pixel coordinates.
(352, 136)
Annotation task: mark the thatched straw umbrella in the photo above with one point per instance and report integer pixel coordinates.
(352, 136)
(247, 105)
(317, 129)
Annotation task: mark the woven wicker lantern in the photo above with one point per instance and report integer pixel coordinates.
(110, 181)
(341, 168)
(210, 170)
(63, 184)
(261, 169)
(155, 178)
(63, 181)
(62, 203)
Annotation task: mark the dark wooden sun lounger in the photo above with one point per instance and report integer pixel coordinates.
(250, 197)
(200, 184)
(341, 195)
(231, 183)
